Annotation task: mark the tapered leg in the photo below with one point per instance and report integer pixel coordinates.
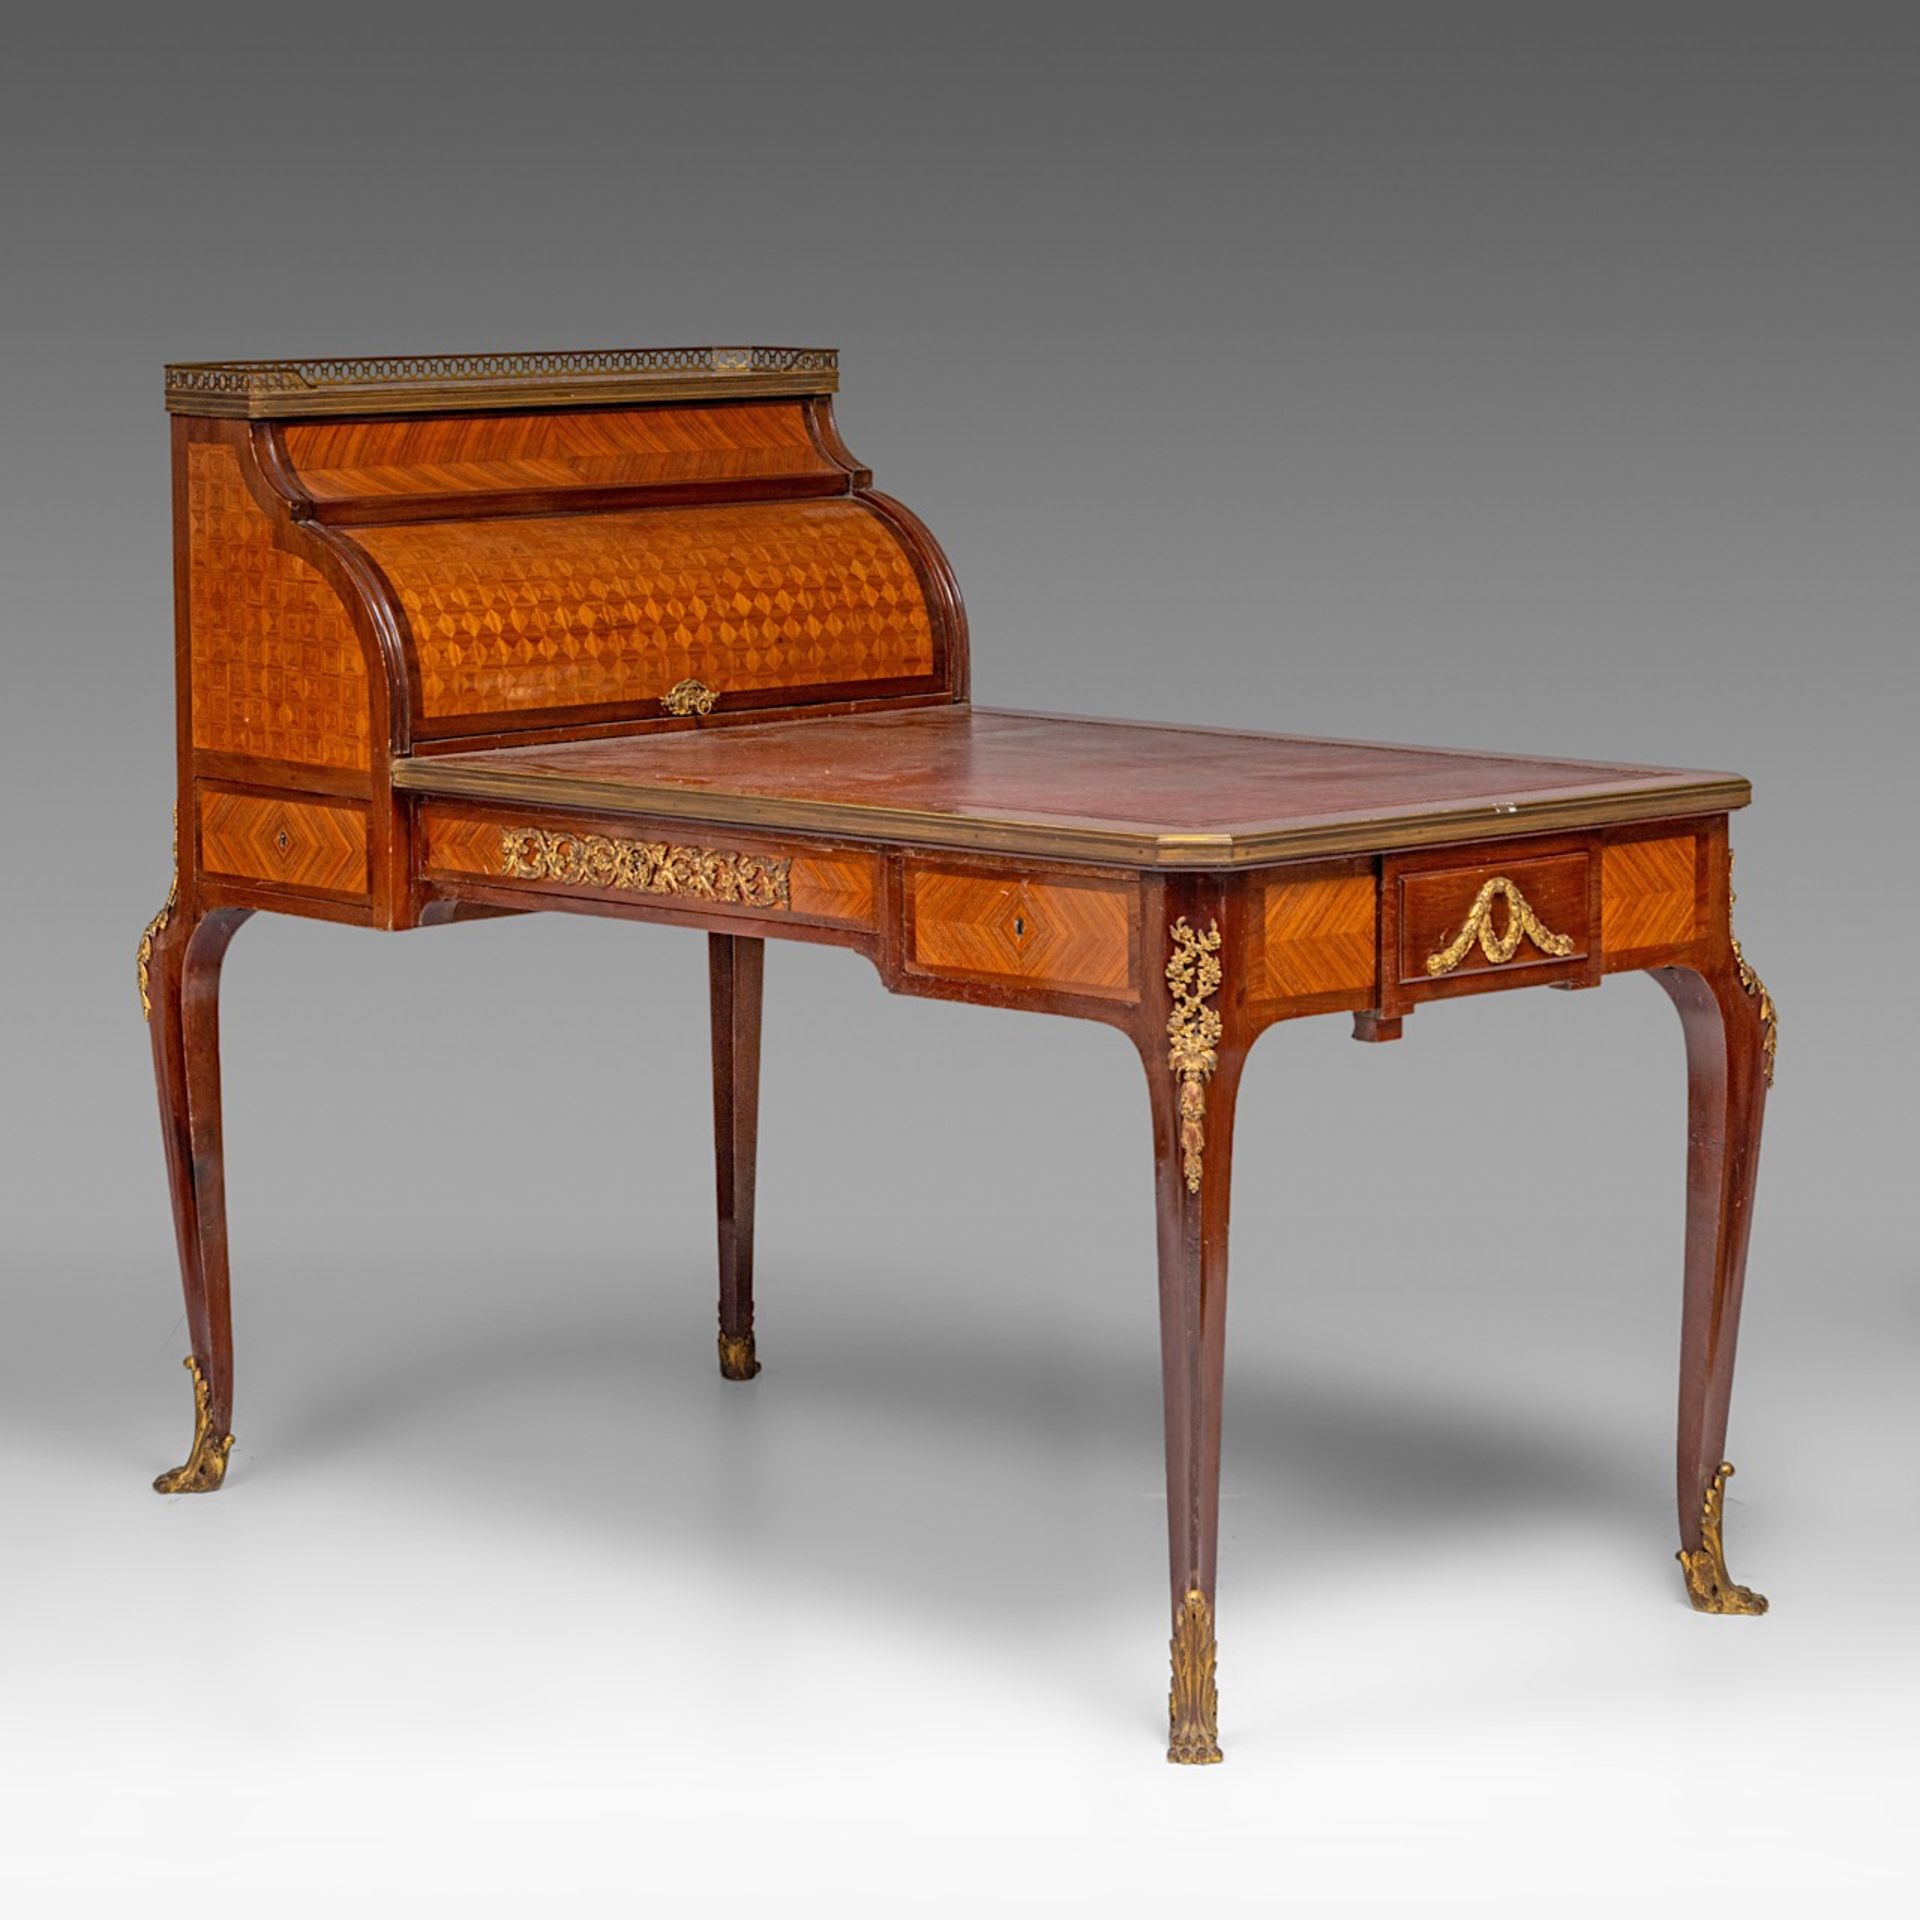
(1728, 1020)
(180, 984)
(1193, 1079)
(736, 969)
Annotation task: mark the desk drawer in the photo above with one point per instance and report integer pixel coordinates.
(648, 864)
(1473, 921)
(1058, 933)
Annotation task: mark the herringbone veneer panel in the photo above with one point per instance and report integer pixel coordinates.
(276, 668)
(1647, 895)
(1320, 936)
(596, 609)
(458, 845)
(294, 842)
(494, 452)
(835, 886)
(1076, 937)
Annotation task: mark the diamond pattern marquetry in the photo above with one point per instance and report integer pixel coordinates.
(294, 843)
(1073, 936)
(277, 670)
(597, 609)
(1320, 937)
(1647, 897)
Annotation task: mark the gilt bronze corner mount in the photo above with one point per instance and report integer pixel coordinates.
(143, 955)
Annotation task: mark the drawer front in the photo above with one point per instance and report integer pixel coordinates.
(653, 864)
(1460, 924)
(1065, 935)
(302, 843)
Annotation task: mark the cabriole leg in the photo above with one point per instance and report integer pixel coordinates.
(179, 967)
(736, 967)
(1194, 1078)
(1728, 1019)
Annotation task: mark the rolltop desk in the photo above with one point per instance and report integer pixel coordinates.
(632, 633)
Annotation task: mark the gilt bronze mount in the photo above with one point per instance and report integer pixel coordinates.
(1193, 1705)
(1710, 1587)
(205, 1467)
(737, 1358)
(1522, 924)
(1193, 1033)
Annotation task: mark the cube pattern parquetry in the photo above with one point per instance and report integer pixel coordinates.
(276, 668)
(595, 609)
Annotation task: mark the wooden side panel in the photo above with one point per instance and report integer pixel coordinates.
(277, 670)
(1649, 895)
(289, 843)
(515, 452)
(1071, 936)
(517, 615)
(1319, 937)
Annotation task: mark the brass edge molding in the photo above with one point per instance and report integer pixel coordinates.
(206, 1464)
(439, 383)
(646, 866)
(1522, 924)
(1143, 848)
(1193, 1033)
(1709, 1585)
(143, 954)
(689, 697)
(1754, 988)
(1193, 1704)
(738, 1360)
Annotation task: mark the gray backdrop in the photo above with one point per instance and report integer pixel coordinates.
(1515, 376)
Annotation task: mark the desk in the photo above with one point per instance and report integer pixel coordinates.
(637, 638)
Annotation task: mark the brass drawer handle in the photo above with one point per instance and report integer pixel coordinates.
(1522, 924)
(690, 696)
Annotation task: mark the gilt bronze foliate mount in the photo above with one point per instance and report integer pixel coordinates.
(1755, 989)
(205, 1467)
(1193, 1034)
(1710, 1587)
(646, 866)
(689, 697)
(143, 956)
(1522, 924)
(1193, 1705)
